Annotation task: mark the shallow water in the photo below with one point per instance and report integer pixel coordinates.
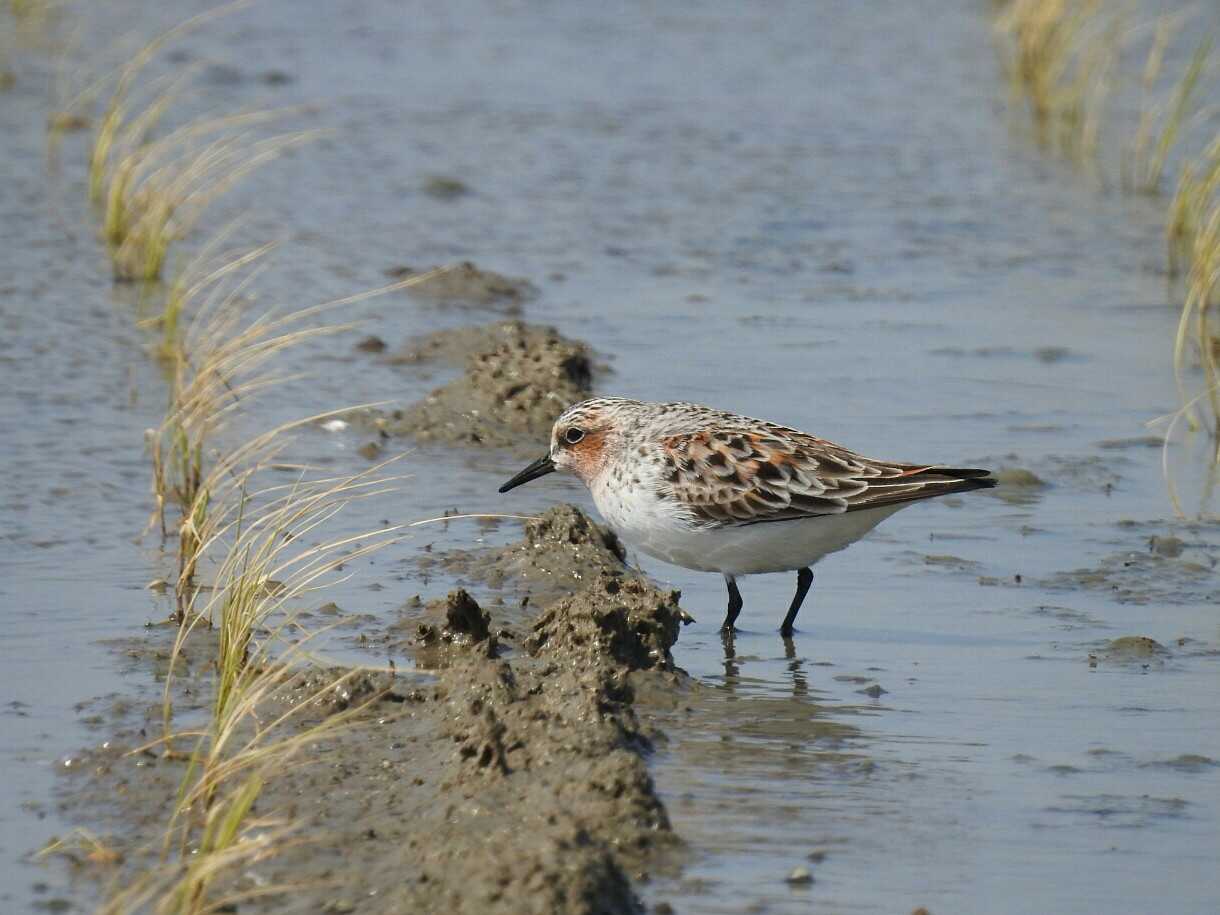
(817, 213)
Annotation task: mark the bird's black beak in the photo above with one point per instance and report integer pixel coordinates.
(539, 468)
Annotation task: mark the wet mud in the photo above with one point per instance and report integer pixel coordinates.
(517, 379)
(559, 551)
(1161, 573)
(464, 283)
(506, 774)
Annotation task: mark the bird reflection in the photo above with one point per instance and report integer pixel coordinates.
(732, 665)
(732, 669)
(800, 685)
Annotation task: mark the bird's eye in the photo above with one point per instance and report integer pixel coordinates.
(573, 435)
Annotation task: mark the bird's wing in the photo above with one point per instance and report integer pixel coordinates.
(728, 477)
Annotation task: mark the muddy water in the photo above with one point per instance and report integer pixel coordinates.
(816, 213)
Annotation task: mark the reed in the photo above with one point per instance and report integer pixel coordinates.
(230, 371)
(217, 358)
(1194, 197)
(269, 566)
(1060, 56)
(116, 114)
(1163, 125)
(156, 191)
(30, 13)
(178, 886)
(1197, 342)
(82, 846)
(201, 360)
(152, 190)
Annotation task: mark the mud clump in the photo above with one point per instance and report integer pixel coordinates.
(455, 345)
(566, 527)
(464, 283)
(1019, 477)
(331, 689)
(465, 618)
(1131, 650)
(560, 551)
(1144, 577)
(1168, 546)
(444, 187)
(1135, 647)
(625, 619)
(466, 624)
(1124, 444)
(371, 344)
(543, 801)
(512, 390)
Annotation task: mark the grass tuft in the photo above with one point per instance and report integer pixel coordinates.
(1193, 199)
(215, 364)
(152, 190)
(1060, 57)
(83, 847)
(1197, 342)
(1162, 126)
(155, 191)
(269, 565)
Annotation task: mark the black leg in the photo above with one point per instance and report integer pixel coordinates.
(734, 604)
(804, 578)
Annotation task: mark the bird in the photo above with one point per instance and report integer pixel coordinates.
(718, 492)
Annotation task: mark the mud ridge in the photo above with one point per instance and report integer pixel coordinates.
(464, 283)
(517, 379)
(507, 774)
(558, 552)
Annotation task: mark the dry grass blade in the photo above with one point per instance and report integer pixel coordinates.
(1059, 55)
(124, 79)
(1196, 329)
(1195, 196)
(157, 206)
(216, 364)
(1163, 126)
(83, 847)
(154, 191)
(1168, 425)
(269, 566)
(179, 886)
(1193, 237)
(265, 570)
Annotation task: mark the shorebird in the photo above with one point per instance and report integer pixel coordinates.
(719, 492)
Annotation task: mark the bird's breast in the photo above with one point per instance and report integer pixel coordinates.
(631, 502)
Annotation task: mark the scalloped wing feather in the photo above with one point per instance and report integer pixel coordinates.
(729, 477)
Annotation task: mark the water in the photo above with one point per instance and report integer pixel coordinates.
(817, 213)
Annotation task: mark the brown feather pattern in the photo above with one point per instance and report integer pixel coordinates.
(729, 477)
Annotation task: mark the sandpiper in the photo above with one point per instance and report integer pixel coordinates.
(719, 492)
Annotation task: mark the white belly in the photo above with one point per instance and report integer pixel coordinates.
(652, 527)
